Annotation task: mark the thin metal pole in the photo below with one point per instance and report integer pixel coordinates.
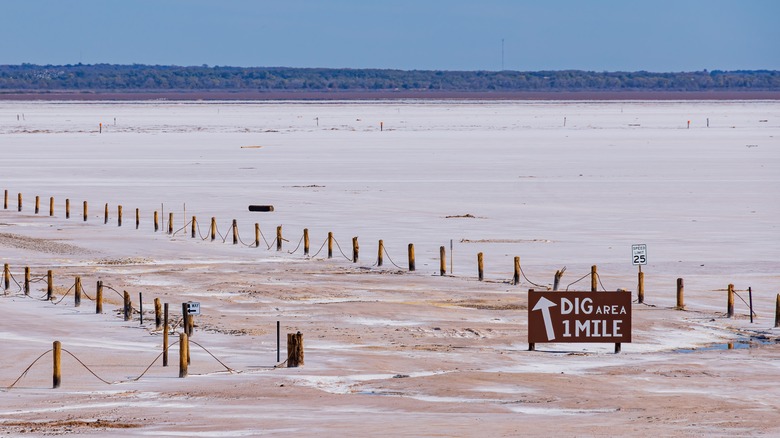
(278, 344)
(750, 297)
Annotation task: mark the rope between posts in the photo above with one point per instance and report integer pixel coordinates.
(342, 252)
(85, 294)
(197, 225)
(24, 373)
(264, 239)
(153, 362)
(241, 240)
(230, 370)
(526, 278)
(577, 281)
(66, 294)
(87, 368)
(296, 248)
(319, 250)
(391, 260)
(598, 277)
(182, 228)
(216, 228)
(117, 292)
(17, 283)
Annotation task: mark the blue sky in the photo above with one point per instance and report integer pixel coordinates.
(599, 35)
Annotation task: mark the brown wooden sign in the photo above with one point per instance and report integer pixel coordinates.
(579, 317)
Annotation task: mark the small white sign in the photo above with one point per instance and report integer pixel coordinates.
(639, 254)
(193, 308)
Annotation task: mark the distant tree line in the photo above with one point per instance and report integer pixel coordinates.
(136, 77)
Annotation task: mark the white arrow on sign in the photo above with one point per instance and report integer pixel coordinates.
(544, 305)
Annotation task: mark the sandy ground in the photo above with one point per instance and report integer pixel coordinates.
(388, 351)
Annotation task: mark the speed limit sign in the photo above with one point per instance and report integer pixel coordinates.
(639, 254)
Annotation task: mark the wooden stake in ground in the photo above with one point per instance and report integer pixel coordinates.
(56, 369)
(294, 350)
(355, 250)
(170, 223)
(5, 200)
(730, 302)
(594, 278)
(6, 276)
(67, 209)
(257, 235)
(777, 311)
(235, 232)
(137, 218)
(442, 261)
(410, 251)
(119, 215)
(557, 278)
(213, 228)
(77, 292)
(641, 286)
(99, 297)
(480, 266)
(49, 285)
(156, 221)
(37, 204)
(157, 313)
(516, 276)
(51, 206)
(183, 354)
(194, 225)
(330, 244)
(20, 201)
(128, 306)
(279, 238)
(85, 211)
(305, 241)
(105, 217)
(680, 294)
(27, 280)
(380, 253)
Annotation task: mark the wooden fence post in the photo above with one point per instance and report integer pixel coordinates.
(730, 302)
(105, 216)
(99, 297)
(119, 215)
(170, 223)
(213, 228)
(165, 335)
(77, 292)
(5, 200)
(294, 350)
(49, 285)
(194, 226)
(641, 287)
(128, 306)
(594, 280)
(37, 204)
(480, 266)
(257, 235)
(27, 280)
(279, 238)
(442, 261)
(557, 279)
(410, 251)
(156, 221)
(56, 369)
(380, 253)
(235, 232)
(516, 275)
(355, 250)
(67, 208)
(85, 211)
(777, 311)
(20, 201)
(305, 241)
(157, 313)
(137, 218)
(183, 354)
(330, 244)
(51, 206)
(680, 294)
(6, 276)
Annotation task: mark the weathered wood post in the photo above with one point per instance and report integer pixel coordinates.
(777, 311)
(6, 276)
(730, 302)
(157, 313)
(165, 335)
(56, 368)
(99, 297)
(170, 223)
(128, 306)
(279, 238)
(480, 266)
(37, 204)
(183, 354)
(557, 279)
(442, 261)
(20, 201)
(27, 280)
(410, 251)
(137, 218)
(156, 221)
(355, 250)
(516, 275)
(330, 244)
(77, 292)
(294, 350)
(86, 210)
(235, 232)
(67, 208)
(594, 278)
(305, 241)
(5, 200)
(51, 206)
(105, 215)
(49, 285)
(380, 253)
(119, 215)
(257, 235)
(641, 287)
(213, 229)
(194, 226)
(680, 294)
(186, 321)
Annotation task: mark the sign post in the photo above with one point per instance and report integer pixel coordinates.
(568, 317)
(639, 258)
